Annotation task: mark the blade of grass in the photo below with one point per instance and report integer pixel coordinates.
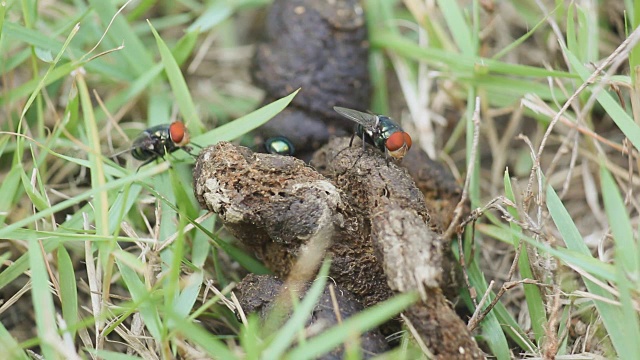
(10, 347)
(457, 25)
(10, 184)
(135, 52)
(244, 124)
(492, 331)
(111, 355)
(186, 298)
(212, 346)
(98, 180)
(245, 260)
(511, 47)
(53, 64)
(3, 12)
(42, 301)
(38, 39)
(68, 290)
(357, 324)
(462, 63)
(626, 244)
(83, 196)
(634, 56)
(535, 304)
(178, 84)
(612, 316)
(216, 13)
(141, 296)
(612, 107)
(172, 279)
(626, 255)
(588, 263)
(287, 334)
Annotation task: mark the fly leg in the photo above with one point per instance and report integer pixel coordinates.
(189, 149)
(148, 161)
(156, 155)
(353, 135)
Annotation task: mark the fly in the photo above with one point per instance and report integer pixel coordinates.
(157, 141)
(380, 131)
(279, 145)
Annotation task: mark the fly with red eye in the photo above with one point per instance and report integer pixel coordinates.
(380, 131)
(157, 141)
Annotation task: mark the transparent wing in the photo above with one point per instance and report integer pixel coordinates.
(367, 120)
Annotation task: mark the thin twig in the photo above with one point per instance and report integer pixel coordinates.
(507, 286)
(453, 226)
(473, 322)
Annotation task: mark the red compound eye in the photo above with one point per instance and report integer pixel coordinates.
(178, 133)
(397, 140)
(407, 140)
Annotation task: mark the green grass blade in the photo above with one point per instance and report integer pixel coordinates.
(626, 257)
(10, 185)
(284, 337)
(10, 347)
(112, 355)
(612, 316)
(457, 25)
(443, 59)
(244, 259)
(140, 295)
(587, 262)
(41, 83)
(215, 348)
(14, 31)
(120, 32)
(178, 84)
(633, 9)
(492, 331)
(3, 12)
(532, 293)
(519, 41)
(612, 107)
(216, 13)
(114, 184)
(68, 290)
(42, 301)
(357, 324)
(626, 244)
(244, 124)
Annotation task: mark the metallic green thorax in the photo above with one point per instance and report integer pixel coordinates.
(378, 135)
(153, 143)
(279, 145)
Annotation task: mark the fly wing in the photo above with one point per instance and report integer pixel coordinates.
(369, 121)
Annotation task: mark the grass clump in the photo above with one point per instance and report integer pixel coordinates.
(101, 260)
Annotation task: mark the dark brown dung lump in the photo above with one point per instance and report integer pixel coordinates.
(258, 294)
(378, 228)
(275, 204)
(320, 47)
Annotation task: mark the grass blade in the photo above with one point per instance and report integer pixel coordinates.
(359, 323)
(287, 334)
(626, 258)
(532, 292)
(42, 301)
(178, 84)
(68, 290)
(10, 347)
(624, 122)
(119, 32)
(244, 124)
(612, 316)
(457, 25)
